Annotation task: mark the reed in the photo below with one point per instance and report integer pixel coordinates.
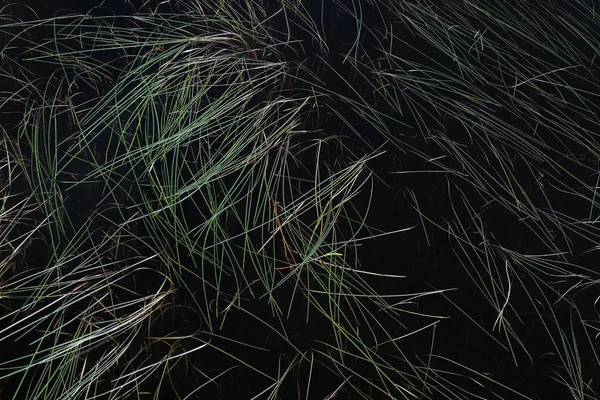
(189, 194)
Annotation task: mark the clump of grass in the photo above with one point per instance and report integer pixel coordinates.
(186, 194)
(506, 97)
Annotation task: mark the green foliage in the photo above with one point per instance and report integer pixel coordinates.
(185, 193)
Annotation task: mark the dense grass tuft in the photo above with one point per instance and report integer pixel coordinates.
(300, 199)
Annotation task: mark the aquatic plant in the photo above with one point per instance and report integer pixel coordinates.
(295, 199)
